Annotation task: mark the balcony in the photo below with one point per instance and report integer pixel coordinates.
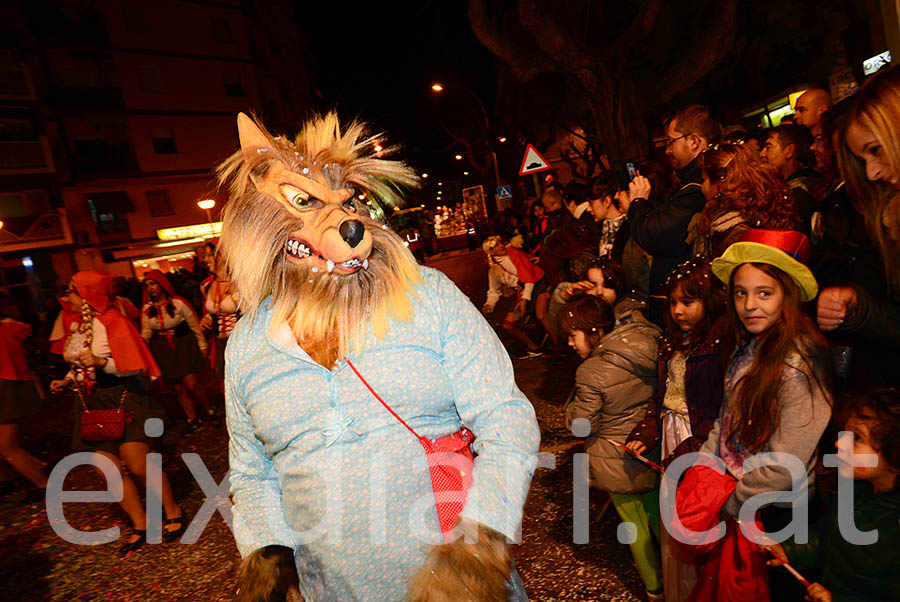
(35, 231)
(26, 157)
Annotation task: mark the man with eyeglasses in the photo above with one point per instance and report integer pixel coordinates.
(660, 226)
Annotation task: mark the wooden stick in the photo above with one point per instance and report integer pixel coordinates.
(652, 465)
(791, 570)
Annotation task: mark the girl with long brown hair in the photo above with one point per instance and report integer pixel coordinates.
(741, 192)
(777, 383)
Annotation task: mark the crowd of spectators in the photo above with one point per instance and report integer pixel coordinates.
(763, 275)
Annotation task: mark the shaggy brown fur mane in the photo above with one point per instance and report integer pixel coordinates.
(330, 314)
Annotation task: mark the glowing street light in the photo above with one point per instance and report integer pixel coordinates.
(437, 87)
(502, 139)
(424, 175)
(206, 205)
(465, 173)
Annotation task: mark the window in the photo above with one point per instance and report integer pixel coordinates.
(164, 141)
(148, 80)
(221, 30)
(159, 203)
(234, 85)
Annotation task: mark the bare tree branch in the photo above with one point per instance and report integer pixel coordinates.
(704, 54)
(525, 64)
(639, 29)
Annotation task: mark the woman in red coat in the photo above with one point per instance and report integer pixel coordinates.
(18, 397)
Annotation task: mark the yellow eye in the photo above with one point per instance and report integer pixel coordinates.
(299, 199)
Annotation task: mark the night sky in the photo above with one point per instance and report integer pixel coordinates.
(377, 61)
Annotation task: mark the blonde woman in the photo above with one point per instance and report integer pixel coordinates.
(867, 142)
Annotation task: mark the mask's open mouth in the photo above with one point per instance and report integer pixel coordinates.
(298, 250)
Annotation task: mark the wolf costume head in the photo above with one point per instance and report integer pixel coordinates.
(295, 229)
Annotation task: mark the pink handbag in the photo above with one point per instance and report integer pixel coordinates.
(450, 462)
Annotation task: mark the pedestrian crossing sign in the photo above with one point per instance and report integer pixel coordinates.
(533, 162)
(504, 193)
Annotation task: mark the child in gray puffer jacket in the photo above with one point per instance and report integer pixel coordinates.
(613, 387)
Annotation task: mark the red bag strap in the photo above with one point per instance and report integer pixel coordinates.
(386, 406)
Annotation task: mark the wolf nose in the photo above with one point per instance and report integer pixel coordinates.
(352, 232)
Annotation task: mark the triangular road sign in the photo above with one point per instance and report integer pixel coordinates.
(533, 162)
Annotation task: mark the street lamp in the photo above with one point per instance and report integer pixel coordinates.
(438, 88)
(458, 157)
(206, 205)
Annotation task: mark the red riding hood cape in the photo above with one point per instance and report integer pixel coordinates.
(160, 279)
(125, 343)
(12, 355)
(734, 568)
(525, 269)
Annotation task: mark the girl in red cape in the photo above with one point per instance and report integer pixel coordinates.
(18, 397)
(172, 330)
(109, 367)
(221, 310)
(511, 268)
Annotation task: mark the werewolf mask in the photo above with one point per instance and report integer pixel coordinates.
(295, 228)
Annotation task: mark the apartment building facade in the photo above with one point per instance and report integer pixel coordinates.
(113, 116)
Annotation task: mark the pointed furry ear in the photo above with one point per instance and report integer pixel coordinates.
(251, 136)
(253, 141)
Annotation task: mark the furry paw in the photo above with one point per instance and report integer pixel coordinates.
(460, 571)
(269, 575)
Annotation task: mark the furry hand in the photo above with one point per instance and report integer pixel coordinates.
(465, 571)
(269, 575)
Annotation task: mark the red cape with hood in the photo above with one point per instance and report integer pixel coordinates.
(13, 365)
(734, 568)
(525, 269)
(128, 348)
(160, 279)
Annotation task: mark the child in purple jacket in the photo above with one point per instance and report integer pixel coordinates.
(689, 392)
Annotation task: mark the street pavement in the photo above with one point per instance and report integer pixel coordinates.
(36, 564)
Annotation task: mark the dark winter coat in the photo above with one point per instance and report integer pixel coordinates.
(661, 229)
(855, 572)
(612, 389)
(704, 386)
